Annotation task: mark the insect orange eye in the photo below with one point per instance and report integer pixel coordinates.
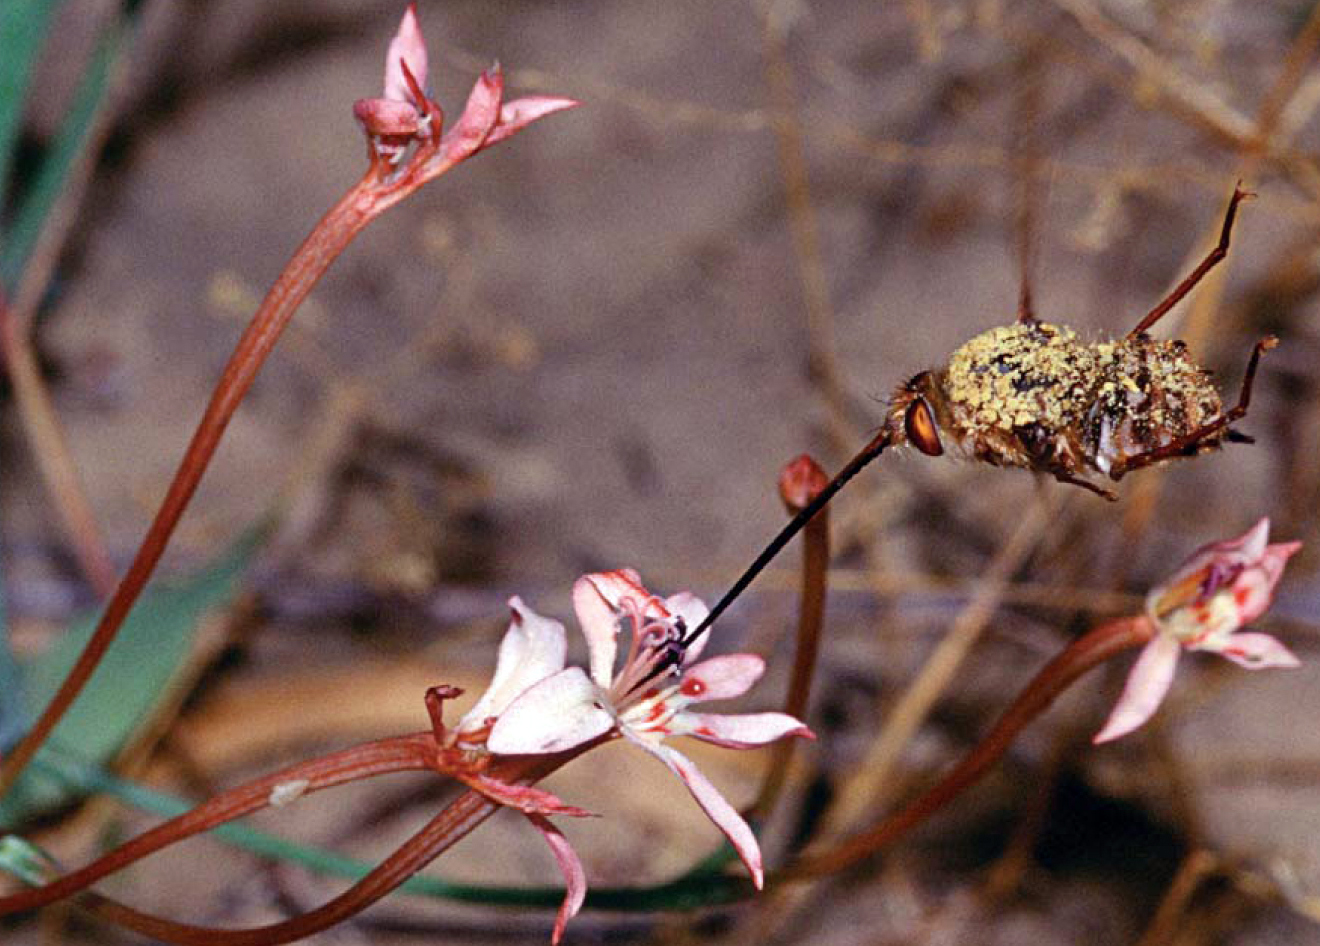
(919, 423)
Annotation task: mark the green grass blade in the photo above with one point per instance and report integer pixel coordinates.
(69, 144)
(135, 676)
(23, 26)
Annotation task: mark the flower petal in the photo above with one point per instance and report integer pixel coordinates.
(1256, 651)
(575, 878)
(560, 712)
(533, 648)
(1147, 683)
(406, 46)
(715, 805)
(740, 731)
(479, 116)
(518, 114)
(387, 117)
(596, 600)
(721, 678)
(693, 611)
(1254, 590)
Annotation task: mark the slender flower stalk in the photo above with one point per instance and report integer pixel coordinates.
(801, 481)
(533, 718)
(404, 153)
(1087, 652)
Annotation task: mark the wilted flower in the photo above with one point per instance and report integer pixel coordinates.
(1202, 607)
(405, 114)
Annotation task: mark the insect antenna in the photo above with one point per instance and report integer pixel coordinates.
(1026, 125)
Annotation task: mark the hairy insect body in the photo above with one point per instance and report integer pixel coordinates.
(1034, 395)
(1149, 394)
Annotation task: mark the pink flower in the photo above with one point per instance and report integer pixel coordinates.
(1202, 607)
(405, 114)
(649, 698)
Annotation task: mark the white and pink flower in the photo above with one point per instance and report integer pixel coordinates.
(1221, 588)
(536, 706)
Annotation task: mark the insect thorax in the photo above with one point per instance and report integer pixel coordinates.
(1016, 376)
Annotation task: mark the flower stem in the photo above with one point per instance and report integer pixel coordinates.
(444, 830)
(398, 754)
(326, 241)
(811, 618)
(1083, 654)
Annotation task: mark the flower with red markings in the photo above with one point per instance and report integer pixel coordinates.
(1217, 591)
(648, 699)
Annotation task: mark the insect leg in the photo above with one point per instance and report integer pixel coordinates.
(1188, 444)
(1063, 477)
(1196, 275)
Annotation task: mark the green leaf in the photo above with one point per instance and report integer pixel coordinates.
(69, 144)
(23, 27)
(13, 712)
(134, 678)
(26, 861)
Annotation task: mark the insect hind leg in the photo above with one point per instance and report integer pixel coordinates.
(1211, 260)
(1188, 444)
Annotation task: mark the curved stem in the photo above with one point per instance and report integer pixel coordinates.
(1083, 654)
(811, 618)
(398, 754)
(444, 830)
(326, 241)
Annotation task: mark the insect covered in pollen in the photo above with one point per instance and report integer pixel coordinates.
(1034, 395)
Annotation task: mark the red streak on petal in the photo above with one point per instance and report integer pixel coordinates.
(1241, 596)
(704, 731)
(692, 687)
(515, 618)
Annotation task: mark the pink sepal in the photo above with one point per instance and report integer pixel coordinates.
(525, 798)
(518, 114)
(479, 116)
(741, 731)
(575, 878)
(714, 804)
(1255, 651)
(406, 46)
(1147, 683)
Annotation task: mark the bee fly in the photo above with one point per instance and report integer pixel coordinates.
(1033, 395)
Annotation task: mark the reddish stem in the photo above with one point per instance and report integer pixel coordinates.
(800, 483)
(444, 830)
(398, 754)
(326, 241)
(1083, 654)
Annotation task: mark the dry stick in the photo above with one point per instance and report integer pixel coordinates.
(822, 364)
(326, 241)
(875, 772)
(1091, 650)
(411, 753)
(811, 617)
(58, 471)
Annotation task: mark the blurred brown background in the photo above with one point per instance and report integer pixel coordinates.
(597, 345)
